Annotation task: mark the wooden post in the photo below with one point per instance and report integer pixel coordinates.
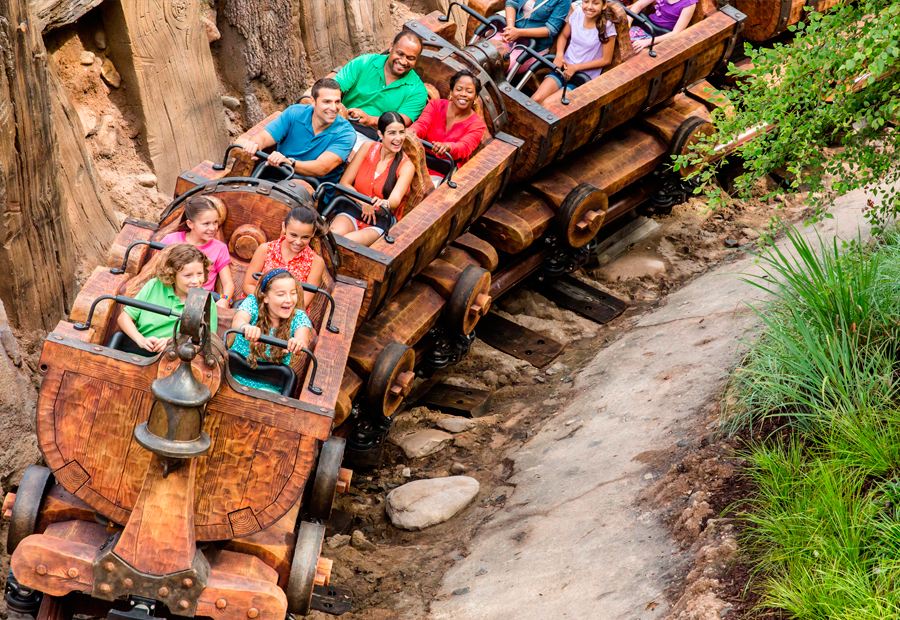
(36, 247)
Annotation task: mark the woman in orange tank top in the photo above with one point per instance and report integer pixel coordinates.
(380, 170)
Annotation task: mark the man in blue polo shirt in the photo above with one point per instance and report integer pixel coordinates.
(314, 139)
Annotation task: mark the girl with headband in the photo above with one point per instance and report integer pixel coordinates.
(272, 310)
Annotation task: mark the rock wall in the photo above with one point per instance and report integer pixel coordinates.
(36, 245)
(161, 50)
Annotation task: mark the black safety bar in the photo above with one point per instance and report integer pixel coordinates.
(352, 193)
(485, 21)
(647, 26)
(538, 57)
(154, 245)
(278, 342)
(225, 159)
(126, 301)
(453, 167)
(315, 290)
(284, 166)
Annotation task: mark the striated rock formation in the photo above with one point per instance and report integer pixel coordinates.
(161, 50)
(36, 246)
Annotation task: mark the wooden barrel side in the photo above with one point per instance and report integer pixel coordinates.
(618, 95)
(90, 402)
(768, 18)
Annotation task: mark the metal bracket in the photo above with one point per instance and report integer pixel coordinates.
(575, 295)
(431, 39)
(114, 578)
(603, 124)
(332, 600)
(690, 68)
(784, 15)
(740, 18)
(264, 188)
(653, 92)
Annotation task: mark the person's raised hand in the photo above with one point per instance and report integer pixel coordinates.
(276, 159)
(355, 114)
(248, 146)
(368, 214)
(251, 332)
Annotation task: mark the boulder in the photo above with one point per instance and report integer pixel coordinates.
(358, 541)
(456, 425)
(100, 39)
(232, 103)
(422, 443)
(419, 504)
(107, 138)
(109, 74)
(147, 180)
(87, 58)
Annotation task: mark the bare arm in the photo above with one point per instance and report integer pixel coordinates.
(227, 280)
(256, 265)
(638, 7)
(404, 178)
(152, 344)
(352, 168)
(315, 278)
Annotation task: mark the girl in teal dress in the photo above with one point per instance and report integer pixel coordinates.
(277, 294)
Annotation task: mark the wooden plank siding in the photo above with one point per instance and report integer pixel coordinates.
(626, 88)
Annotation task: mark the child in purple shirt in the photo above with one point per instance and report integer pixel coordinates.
(671, 15)
(202, 218)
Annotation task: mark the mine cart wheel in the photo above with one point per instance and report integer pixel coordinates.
(687, 134)
(326, 481)
(581, 215)
(391, 379)
(304, 566)
(35, 483)
(469, 301)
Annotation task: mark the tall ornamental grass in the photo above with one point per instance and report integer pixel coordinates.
(830, 336)
(823, 524)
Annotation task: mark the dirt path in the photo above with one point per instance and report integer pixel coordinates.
(575, 538)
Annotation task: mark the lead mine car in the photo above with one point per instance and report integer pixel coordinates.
(170, 488)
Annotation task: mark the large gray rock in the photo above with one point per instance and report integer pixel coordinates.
(419, 504)
(422, 443)
(456, 425)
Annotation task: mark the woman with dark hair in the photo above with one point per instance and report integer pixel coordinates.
(380, 170)
(452, 125)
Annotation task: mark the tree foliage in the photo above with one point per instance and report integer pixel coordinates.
(829, 103)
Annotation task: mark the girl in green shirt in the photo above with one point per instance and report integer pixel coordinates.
(181, 267)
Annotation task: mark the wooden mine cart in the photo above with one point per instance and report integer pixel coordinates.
(769, 18)
(169, 486)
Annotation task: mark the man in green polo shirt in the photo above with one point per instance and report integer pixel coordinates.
(373, 84)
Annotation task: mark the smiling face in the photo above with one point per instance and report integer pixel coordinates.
(326, 105)
(592, 8)
(403, 56)
(191, 276)
(281, 298)
(297, 235)
(393, 137)
(204, 227)
(463, 94)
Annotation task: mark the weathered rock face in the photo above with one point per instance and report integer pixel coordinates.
(17, 399)
(419, 504)
(36, 248)
(161, 50)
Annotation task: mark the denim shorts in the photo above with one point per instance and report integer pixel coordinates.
(559, 81)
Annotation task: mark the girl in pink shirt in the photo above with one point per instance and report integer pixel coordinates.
(591, 37)
(452, 125)
(202, 218)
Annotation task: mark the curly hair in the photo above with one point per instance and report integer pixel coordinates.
(174, 258)
(258, 351)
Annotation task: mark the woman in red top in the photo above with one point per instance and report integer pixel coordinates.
(452, 125)
(380, 170)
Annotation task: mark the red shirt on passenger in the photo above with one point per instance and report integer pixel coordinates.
(465, 136)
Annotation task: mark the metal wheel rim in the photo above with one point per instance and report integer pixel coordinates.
(302, 579)
(325, 483)
(35, 482)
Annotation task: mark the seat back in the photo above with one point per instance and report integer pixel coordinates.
(421, 184)
(704, 9)
(624, 49)
(278, 376)
(120, 341)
